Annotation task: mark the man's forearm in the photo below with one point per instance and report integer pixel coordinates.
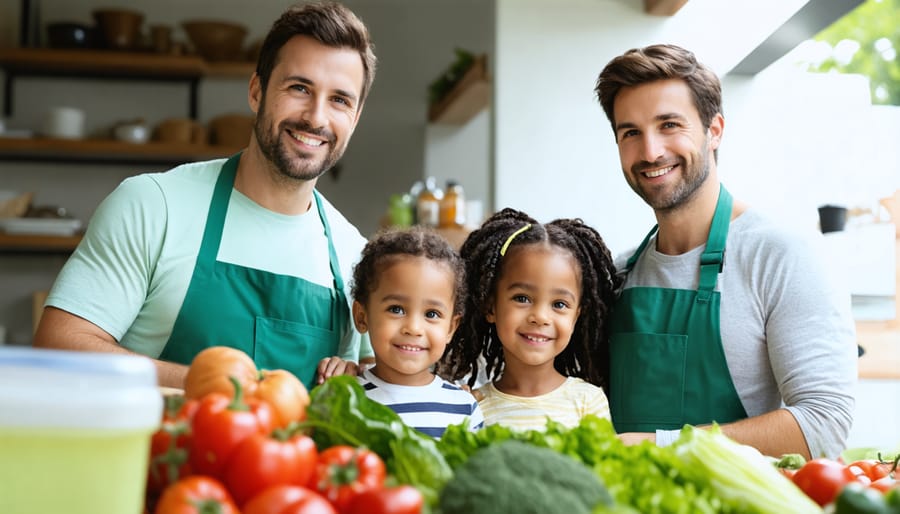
(61, 330)
(168, 374)
(774, 433)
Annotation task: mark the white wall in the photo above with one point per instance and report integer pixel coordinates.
(786, 147)
(463, 153)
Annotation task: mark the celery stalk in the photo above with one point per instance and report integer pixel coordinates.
(739, 474)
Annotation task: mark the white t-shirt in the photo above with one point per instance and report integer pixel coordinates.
(786, 326)
(131, 272)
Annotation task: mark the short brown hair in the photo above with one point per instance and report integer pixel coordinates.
(660, 62)
(331, 24)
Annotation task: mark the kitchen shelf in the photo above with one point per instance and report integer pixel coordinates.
(467, 98)
(114, 64)
(25, 243)
(108, 150)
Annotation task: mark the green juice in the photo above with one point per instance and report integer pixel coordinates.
(73, 470)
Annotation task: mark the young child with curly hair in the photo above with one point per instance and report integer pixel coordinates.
(536, 319)
(408, 291)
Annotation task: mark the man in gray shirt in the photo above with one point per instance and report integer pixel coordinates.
(724, 317)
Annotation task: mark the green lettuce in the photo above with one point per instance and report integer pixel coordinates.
(739, 474)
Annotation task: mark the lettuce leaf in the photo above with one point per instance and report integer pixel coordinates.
(738, 473)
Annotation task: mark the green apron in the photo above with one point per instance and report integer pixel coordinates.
(283, 322)
(667, 365)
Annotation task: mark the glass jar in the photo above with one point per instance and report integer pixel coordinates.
(453, 206)
(428, 204)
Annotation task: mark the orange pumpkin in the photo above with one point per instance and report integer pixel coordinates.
(285, 392)
(210, 369)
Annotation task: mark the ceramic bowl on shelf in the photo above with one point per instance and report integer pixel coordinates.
(231, 129)
(70, 35)
(216, 40)
(132, 132)
(180, 130)
(119, 28)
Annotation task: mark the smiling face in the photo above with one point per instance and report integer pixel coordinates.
(310, 107)
(536, 305)
(409, 317)
(665, 152)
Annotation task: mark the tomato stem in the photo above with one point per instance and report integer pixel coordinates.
(237, 402)
(206, 506)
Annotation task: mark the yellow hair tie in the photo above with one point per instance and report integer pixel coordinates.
(511, 237)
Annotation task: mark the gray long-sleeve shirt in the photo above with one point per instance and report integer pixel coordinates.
(787, 330)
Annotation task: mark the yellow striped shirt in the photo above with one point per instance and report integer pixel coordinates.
(567, 404)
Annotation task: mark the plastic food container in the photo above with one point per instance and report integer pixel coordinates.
(75, 431)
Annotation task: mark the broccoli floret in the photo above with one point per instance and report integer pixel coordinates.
(516, 477)
(790, 461)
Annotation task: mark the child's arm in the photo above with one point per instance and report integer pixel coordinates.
(332, 366)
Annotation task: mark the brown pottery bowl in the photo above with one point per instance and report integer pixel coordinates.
(180, 130)
(119, 28)
(231, 129)
(216, 40)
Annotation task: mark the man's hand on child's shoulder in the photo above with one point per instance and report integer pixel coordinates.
(333, 366)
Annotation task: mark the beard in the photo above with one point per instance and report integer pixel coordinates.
(290, 162)
(662, 199)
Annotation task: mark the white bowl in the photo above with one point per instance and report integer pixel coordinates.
(132, 133)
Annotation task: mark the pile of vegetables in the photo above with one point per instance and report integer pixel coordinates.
(864, 486)
(237, 442)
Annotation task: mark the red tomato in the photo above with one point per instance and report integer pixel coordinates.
(874, 469)
(344, 471)
(788, 472)
(312, 504)
(823, 479)
(220, 424)
(196, 495)
(403, 499)
(884, 484)
(169, 444)
(279, 498)
(261, 461)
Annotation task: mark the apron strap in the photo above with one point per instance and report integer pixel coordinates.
(713, 259)
(332, 254)
(218, 207)
(640, 249)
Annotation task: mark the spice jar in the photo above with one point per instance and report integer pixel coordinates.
(453, 206)
(428, 204)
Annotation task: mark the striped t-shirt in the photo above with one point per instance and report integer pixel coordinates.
(566, 404)
(429, 408)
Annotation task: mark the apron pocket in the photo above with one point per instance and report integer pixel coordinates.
(292, 346)
(647, 385)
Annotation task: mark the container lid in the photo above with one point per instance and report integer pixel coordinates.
(41, 388)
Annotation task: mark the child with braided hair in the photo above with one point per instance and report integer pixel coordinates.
(535, 318)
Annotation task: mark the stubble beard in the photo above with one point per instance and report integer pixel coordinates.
(693, 177)
(293, 164)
